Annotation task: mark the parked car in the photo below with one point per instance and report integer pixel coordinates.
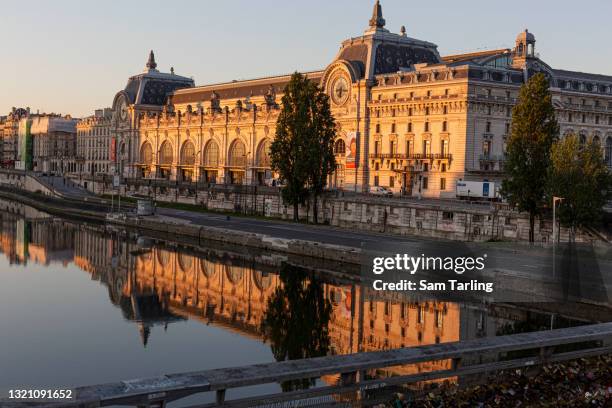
(381, 191)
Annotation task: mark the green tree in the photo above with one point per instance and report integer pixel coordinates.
(302, 150)
(321, 158)
(296, 319)
(534, 130)
(289, 147)
(578, 174)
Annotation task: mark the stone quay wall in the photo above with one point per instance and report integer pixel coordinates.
(445, 219)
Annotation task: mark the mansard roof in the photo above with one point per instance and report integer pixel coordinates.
(238, 89)
(152, 87)
(379, 51)
(582, 75)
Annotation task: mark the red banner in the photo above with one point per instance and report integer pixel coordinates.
(113, 150)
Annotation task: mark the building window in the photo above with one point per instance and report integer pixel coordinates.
(448, 215)
(426, 147)
(340, 147)
(438, 318)
(583, 118)
(426, 127)
(444, 126)
(442, 183)
(409, 127)
(507, 128)
(376, 181)
(486, 148)
(410, 109)
(408, 148)
(488, 128)
(425, 182)
(393, 128)
(569, 117)
(376, 147)
(443, 168)
(508, 111)
(444, 147)
(391, 181)
(445, 110)
(427, 110)
(392, 147)
(597, 120)
(378, 128)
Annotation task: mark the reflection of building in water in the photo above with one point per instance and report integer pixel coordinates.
(42, 241)
(51, 242)
(109, 260)
(159, 285)
(236, 295)
(8, 237)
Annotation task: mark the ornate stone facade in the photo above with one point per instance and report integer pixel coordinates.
(10, 131)
(408, 118)
(95, 145)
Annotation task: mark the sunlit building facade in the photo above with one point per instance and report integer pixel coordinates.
(95, 145)
(408, 118)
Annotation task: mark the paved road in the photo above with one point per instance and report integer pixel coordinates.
(65, 186)
(287, 230)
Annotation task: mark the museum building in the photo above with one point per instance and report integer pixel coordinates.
(408, 118)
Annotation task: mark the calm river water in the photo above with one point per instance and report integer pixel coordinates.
(81, 304)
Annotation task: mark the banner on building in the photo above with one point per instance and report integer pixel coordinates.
(351, 151)
(113, 149)
(24, 145)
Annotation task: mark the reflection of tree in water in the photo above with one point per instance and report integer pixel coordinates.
(296, 320)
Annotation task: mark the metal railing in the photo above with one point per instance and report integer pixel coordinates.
(156, 392)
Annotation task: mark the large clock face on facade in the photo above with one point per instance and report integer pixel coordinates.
(123, 110)
(340, 90)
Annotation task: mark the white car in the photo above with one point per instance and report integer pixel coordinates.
(381, 191)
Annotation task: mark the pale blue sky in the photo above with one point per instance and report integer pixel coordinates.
(73, 56)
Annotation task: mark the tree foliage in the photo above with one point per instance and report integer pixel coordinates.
(321, 158)
(302, 150)
(579, 175)
(296, 321)
(534, 130)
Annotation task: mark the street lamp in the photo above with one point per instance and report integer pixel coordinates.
(554, 202)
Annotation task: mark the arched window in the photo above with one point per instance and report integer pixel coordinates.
(146, 153)
(211, 154)
(263, 153)
(185, 262)
(237, 154)
(188, 154)
(234, 273)
(340, 147)
(165, 153)
(596, 140)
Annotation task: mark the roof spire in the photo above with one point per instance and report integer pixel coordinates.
(377, 20)
(151, 64)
